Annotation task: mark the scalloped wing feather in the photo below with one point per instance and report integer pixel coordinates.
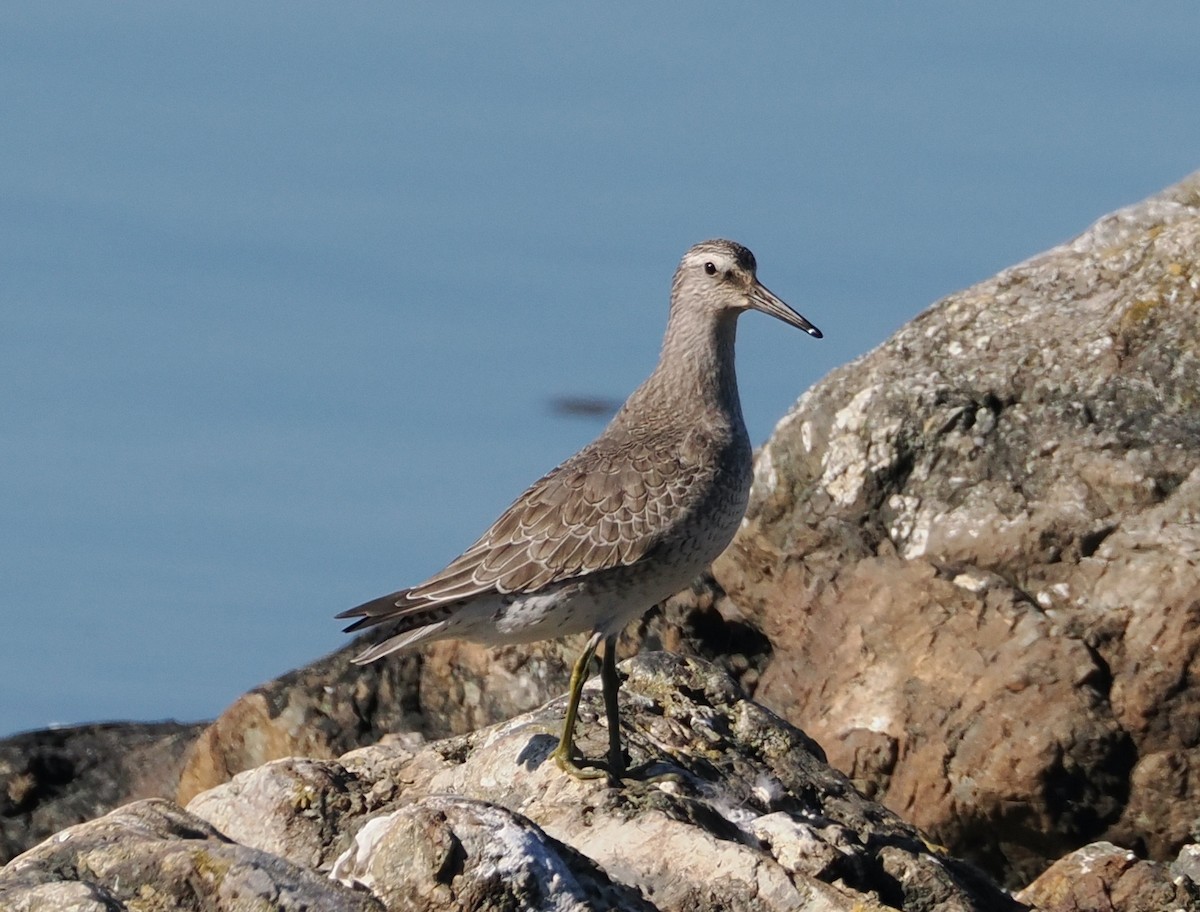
(570, 523)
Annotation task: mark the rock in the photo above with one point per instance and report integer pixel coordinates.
(742, 815)
(53, 778)
(152, 855)
(333, 705)
(1187, 864)
(294, 808)
(738, 812)
(1105, 878)
(446, 852)
(976, 556)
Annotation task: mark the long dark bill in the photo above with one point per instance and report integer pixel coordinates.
(763, 299)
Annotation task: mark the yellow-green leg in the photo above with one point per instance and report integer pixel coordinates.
(566, 743)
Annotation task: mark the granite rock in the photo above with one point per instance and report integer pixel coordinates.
(151, 855)
(733, 809)
(738, 811)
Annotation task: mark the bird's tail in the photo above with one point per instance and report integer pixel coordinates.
(400, 641)
(407, 624)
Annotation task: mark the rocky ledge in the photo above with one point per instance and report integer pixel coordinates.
(738, 811)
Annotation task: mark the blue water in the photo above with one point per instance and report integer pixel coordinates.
(286, 292)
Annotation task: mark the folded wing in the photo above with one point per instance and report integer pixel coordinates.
(601, 509)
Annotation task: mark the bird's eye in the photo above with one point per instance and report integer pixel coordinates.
(710, 269)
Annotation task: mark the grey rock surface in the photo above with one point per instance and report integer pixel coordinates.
(739, 813)
(975, 552)
(736, 811)
(499, 860)
(152, 855)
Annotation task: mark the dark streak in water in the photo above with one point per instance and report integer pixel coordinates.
(584, 406)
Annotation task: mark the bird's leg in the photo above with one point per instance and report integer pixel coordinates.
(566, 742)
(610, 678)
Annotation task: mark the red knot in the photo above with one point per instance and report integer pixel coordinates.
(626, 522)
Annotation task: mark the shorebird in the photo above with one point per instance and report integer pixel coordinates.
(626, 522)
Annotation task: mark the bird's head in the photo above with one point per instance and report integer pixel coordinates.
(720, 277)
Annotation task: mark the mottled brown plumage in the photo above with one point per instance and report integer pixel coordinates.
(628, 520)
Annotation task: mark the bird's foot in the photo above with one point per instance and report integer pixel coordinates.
(591, 770)
(655, 772)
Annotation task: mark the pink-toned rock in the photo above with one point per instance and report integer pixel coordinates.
(1103, 877)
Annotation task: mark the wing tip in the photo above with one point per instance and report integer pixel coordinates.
(399, 641)
(376, 611)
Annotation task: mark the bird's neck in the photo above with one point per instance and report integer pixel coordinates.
(695, 372)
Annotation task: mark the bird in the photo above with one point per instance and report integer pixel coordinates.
(628, 521)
